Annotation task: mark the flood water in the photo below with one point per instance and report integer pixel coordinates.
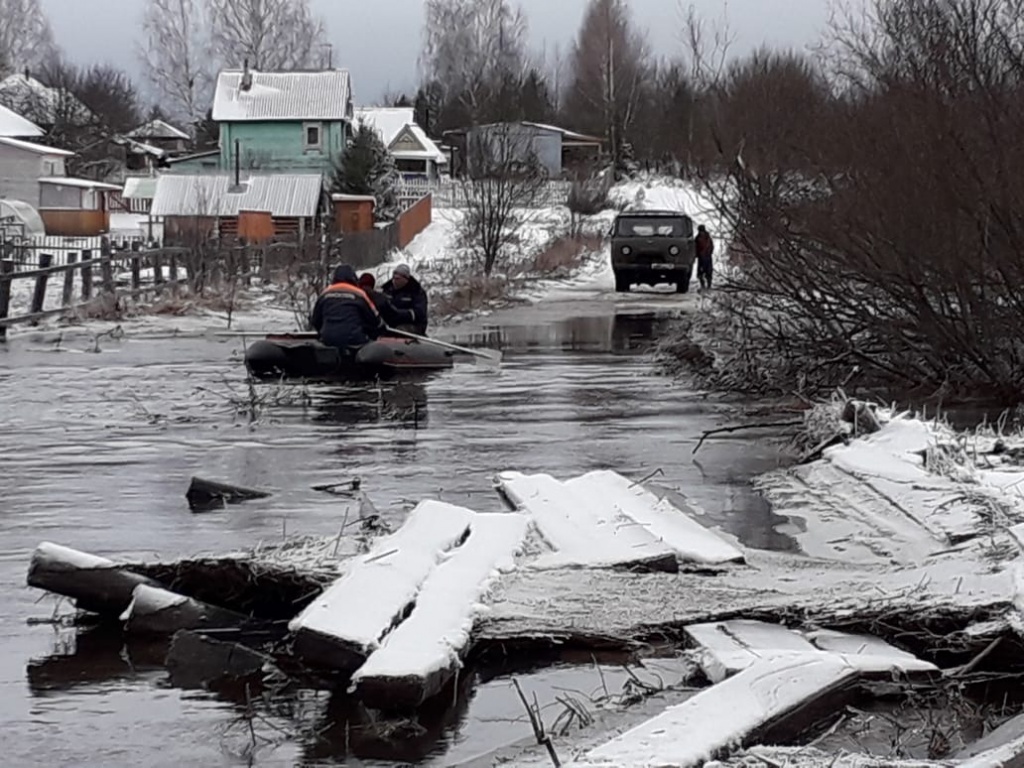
(99, 445)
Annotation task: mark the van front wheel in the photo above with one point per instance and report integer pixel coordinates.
(622, 282)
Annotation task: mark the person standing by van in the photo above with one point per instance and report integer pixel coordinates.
(705, 247)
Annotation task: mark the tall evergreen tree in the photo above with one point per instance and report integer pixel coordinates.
(366, 168)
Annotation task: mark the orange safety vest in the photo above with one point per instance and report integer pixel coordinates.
(353, 289)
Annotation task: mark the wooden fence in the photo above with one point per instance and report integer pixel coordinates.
(26, 252)
(455, 194)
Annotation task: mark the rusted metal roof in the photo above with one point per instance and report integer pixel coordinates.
(325, 95)
(280, 195)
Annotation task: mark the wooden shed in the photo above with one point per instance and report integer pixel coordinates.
(353, 213)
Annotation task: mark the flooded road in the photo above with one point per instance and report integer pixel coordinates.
(101, 438)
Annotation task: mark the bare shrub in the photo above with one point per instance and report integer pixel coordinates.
(563, 255)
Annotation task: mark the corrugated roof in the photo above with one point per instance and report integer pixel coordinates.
(390, 122)
(14, 125)
(281, 195)
(39, 149)
(322, 95)
(158, 129)
(566, 133)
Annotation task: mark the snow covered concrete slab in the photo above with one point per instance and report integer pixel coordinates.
(728, 647)
(423, 653)
(664, 521)
(345, 624)
(776, 699)
(583, 531)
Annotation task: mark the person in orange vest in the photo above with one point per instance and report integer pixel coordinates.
(344, 315)
(705, 247)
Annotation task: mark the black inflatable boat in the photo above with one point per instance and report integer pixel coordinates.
(300, 357)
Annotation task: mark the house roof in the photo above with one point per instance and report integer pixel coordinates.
(572, 136)
(324, 95)
(157, 129)
(281, 195)
(138, 147)
(70, 181)
(39, 149)
(13, 124)
(139, 188)
(194, 156)
(392, 122)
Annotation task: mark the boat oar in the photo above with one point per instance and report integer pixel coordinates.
(490, 356)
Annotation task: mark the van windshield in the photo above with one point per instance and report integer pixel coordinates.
(638, 226)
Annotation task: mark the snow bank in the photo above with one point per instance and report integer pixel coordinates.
(437, 631)
(362, 606)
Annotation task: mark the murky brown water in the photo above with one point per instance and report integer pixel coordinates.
(98, 449)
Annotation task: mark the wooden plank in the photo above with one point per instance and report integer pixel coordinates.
(342, 627)
(69, 280)
(6, 270)
(1003, 746)
(667, 523)
(424, 653)
(87, 262)
(583, 533)
(728, 647)
(775, 700)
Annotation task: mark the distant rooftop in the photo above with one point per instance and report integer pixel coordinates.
(14, 125)
(321, 95)
(158, 129)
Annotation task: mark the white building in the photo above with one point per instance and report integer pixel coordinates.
(416, 156)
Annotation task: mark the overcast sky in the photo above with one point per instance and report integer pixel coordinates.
(379, 40)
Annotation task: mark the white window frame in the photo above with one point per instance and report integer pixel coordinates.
(306, 143)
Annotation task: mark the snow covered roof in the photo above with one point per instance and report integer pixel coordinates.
(39, 149)
(566, 133)
(139, 188)
(157, 129)
(324, 95)
(281, 195)
(395, 123)
(70, 181)
(13, 124)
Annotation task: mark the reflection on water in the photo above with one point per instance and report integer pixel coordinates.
(99, 447)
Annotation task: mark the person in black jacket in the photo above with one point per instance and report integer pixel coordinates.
(408, 295)
(344, 315)
(393, 316)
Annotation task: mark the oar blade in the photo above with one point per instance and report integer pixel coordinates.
(491, 358)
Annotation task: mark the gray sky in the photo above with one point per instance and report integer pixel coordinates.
(379, 41)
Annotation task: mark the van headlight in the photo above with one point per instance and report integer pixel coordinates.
(674, 250)
(626, 250)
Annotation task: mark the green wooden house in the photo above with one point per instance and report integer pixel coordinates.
(283, 122)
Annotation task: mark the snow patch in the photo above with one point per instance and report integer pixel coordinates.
(151, 600)
(57, 557)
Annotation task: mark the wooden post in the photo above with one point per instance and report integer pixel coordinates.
(136, 269)
(86, 275)
(172, 267)
(246, 277)
(158, 269)
(39, 295)
(6, 271)
(69, 280)
(106, 267)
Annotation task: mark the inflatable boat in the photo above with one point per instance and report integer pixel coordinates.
(300, 357)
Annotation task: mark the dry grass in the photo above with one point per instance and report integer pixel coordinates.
(562, 256)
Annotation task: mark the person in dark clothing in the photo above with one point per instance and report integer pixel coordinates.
(389, 312)
(345, 316)
(407, 295)
(705, 247)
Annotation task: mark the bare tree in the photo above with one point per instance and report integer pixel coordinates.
(26, 40)
(270, 34)
(508, 180)
(474, 49)
(705, 46)
(610, 62)
(176, 57)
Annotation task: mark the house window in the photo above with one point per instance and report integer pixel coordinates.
(311, 136)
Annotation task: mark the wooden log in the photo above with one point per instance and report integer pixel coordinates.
(95, 583)
(86, 275)
(157, 611)
(69, 281)
(39, 294)
(6, 272)
(207, 495)
(195, 660)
